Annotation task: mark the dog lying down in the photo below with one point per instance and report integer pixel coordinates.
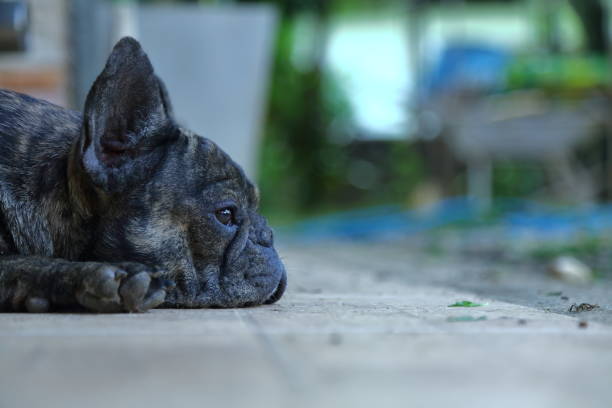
(121, 209)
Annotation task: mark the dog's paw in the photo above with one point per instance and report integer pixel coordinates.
(123, 287)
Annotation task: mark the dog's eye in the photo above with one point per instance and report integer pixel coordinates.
(225, 216)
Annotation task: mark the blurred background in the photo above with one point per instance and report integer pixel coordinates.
(479, 126)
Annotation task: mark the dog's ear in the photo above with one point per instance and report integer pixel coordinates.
(165, 98)
(127, 119)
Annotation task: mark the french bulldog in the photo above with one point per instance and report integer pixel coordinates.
(120, 209)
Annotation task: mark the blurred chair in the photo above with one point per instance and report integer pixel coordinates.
(482, 121)
(526, 126)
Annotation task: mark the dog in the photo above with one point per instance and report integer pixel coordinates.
(121, 209)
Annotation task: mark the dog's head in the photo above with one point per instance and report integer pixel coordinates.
(164, 196)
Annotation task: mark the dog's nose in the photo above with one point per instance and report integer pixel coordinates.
(278, 292)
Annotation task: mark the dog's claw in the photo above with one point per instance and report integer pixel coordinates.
(133, 291)
(120, 275)
(154, 300)
(102, 282)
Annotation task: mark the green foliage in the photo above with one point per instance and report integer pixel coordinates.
(585, 247)
(308, 153)
(517, 179)
(310, 162)
(298, 156)
(407, 170)
(466, 303)
(560, 73)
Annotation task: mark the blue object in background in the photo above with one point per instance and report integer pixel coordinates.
(467, 66)
(514, 216)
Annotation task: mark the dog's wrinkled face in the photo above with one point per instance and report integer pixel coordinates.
(169, 197)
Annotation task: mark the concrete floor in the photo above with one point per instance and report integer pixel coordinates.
(361, 326)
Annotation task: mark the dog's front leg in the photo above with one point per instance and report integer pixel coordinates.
(38, 284)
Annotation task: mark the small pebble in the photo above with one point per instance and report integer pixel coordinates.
(522, 322)
(583, 324)
(571, 270)
(564, 298)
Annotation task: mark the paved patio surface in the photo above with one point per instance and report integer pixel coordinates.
(362, 325)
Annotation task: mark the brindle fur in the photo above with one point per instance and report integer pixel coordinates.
(115, 210)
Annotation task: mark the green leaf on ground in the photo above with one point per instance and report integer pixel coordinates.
(455, 319)
(466, 303)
